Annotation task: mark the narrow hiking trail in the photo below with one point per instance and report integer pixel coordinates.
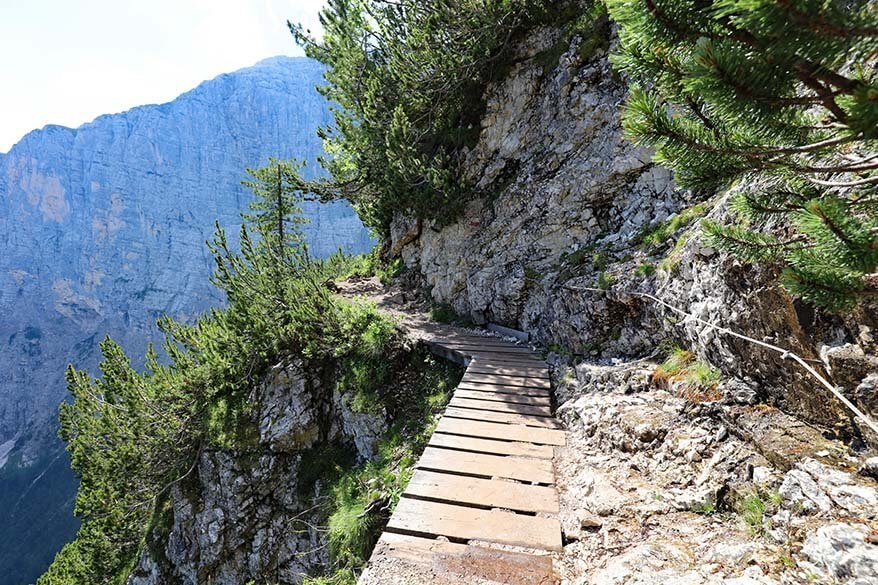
(482, 505)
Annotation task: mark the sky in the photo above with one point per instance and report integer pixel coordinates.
(68, 61)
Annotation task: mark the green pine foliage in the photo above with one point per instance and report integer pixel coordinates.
(781, 97)
(276, 213)
(133, 434)
(408, 78)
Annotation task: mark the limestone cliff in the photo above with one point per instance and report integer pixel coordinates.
(263, 507)
(567, 203)
(103, 228)
(251, 513)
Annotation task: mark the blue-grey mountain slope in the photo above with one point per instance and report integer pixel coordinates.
(102, 230)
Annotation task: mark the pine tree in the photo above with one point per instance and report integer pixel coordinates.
(133, 434)
(276, 212)
(408, 78)
(782, 98)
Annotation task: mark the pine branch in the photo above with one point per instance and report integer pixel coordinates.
(860, 183)
(821, 25)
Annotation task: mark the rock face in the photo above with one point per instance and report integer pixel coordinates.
(102, 230)
(555, 246)
(247, 514)
(752, 482)
(657, 490)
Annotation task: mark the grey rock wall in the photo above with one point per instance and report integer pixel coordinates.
(245, 514)
(103, 229)
(563, 200)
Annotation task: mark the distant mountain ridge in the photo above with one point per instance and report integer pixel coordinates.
(102, 230)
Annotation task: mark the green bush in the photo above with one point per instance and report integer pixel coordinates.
(776, 98)
(133, 434)
(364, 266)
(409, 78)
(660, 234)
(361, 498)
(699, 379)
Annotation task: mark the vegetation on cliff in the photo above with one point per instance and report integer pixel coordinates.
(782, 96)
(409, 78)
(359, 499)
(132, 434)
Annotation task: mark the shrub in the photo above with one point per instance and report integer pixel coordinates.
(660, 234)
(133, 434)
(780, 98)
(409, 78)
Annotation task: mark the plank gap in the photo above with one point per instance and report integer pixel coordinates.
(463, 504)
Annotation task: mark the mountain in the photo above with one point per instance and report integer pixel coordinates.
(102, 230)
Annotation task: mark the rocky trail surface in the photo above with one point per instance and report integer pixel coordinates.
(657, 486)
(657, 489)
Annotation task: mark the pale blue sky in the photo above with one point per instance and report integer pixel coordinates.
(69, 61)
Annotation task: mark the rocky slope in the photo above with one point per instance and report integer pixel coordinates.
(250, 513)
(103, 229)
(751, 478)
(570, 201)
(658, 490)
(267, 506)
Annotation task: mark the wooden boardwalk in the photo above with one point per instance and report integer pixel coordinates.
(482, 502)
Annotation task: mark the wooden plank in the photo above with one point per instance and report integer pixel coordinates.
(491, 446)
(485, 394)
(503, 417)
(481, 339)
(460, 522)
(487, 466)
(498, 370)
(535, 358)
(506, 389)
(504, 331)
(526, 358)
(509, 352)
(511, 407)
(452, 356)
(469, 336)
(490, 493)
(529, 363)
(506, 380)
(483, 342)
(457, 563)
(502, 431)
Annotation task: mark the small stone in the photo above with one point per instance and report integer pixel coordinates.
(736, 391)
(869, 468)
(732, 553)
(761, 475)
(587, 520)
